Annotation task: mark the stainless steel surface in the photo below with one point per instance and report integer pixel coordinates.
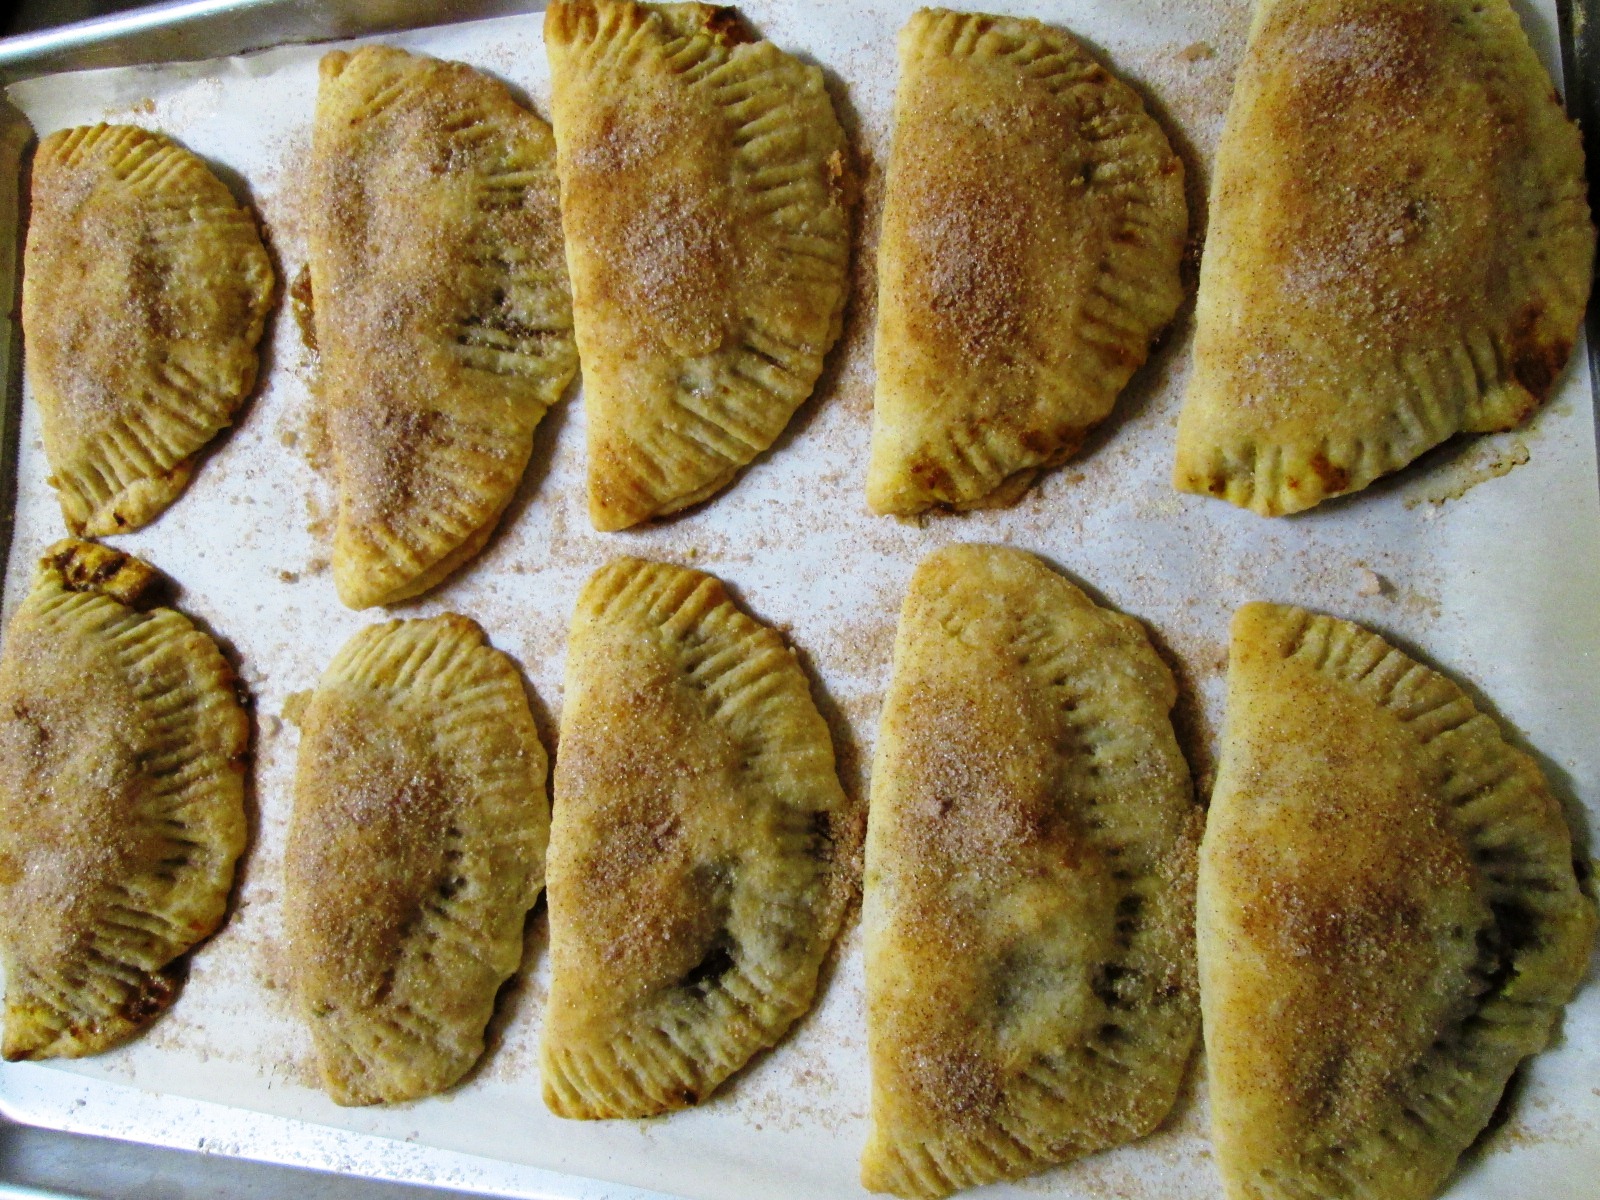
(28, 15)
(41, 1162)
(161, 1147)
(195, 29)
(1580, 61)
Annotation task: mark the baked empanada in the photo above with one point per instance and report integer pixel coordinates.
(703, 195)
(1400, 248)
(442, 313)
(1033, 223)
(122, 762)
(1388, 916)
(1029, 883)
(415, 852)
(144, 291)
(702, 850)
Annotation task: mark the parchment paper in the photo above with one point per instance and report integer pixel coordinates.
(1488, 554)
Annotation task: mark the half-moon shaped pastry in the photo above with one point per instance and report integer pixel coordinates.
(415, 852)
(1029, 883)
(702, 850)
(1388, 916)
(145, 288)
(122, 763)
(703, 196)
(1400, 248)
(1033, 223)
(442, 314)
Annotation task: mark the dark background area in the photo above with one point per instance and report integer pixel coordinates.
(23, 15)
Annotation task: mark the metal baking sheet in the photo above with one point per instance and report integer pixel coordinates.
(1487, 555)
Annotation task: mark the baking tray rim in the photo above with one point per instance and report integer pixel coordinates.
(194, 30)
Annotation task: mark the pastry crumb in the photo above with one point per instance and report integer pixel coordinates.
(294, 706)
(1369, 583)
(1491, 459)
(1196, 52)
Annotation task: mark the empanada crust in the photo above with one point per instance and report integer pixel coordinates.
(702, 851)
(703, 182)
(1029, 890)
(1400, 248)
(442, 313)
(1388, 916)
(1033, 225)
(415, 851)
(145, 289)
(123, 749)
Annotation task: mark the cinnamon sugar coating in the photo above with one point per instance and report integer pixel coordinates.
(1400, 248)
(1033, 224)
(145, 291)
(703, 193)
(415, 851)
(1029, 881)
(122, 764)
(442, 314)
(1388, 917)
(702, 852)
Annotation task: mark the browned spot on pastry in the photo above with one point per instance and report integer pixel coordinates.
(934, 479)
(1535, 361)
(150, 1001)
(723, 23)
(1334, 478)
(1037, 442)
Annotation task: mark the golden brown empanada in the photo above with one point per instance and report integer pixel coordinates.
(702, 850)
(1033, 223)
(122, 762)
(144, 291)
(702, 192)
(415, 852)
(1388, 916)
(442, 313)
(1400, 248)
(1029, 885)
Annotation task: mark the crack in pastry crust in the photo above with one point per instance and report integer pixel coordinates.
(1029, 881)
(145, 291)
(122, 763)
(443, 318)
(703, 195)
(416, 849)
(1389, 921)
(1400, 248)
(702, 852)
(1033, 224)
